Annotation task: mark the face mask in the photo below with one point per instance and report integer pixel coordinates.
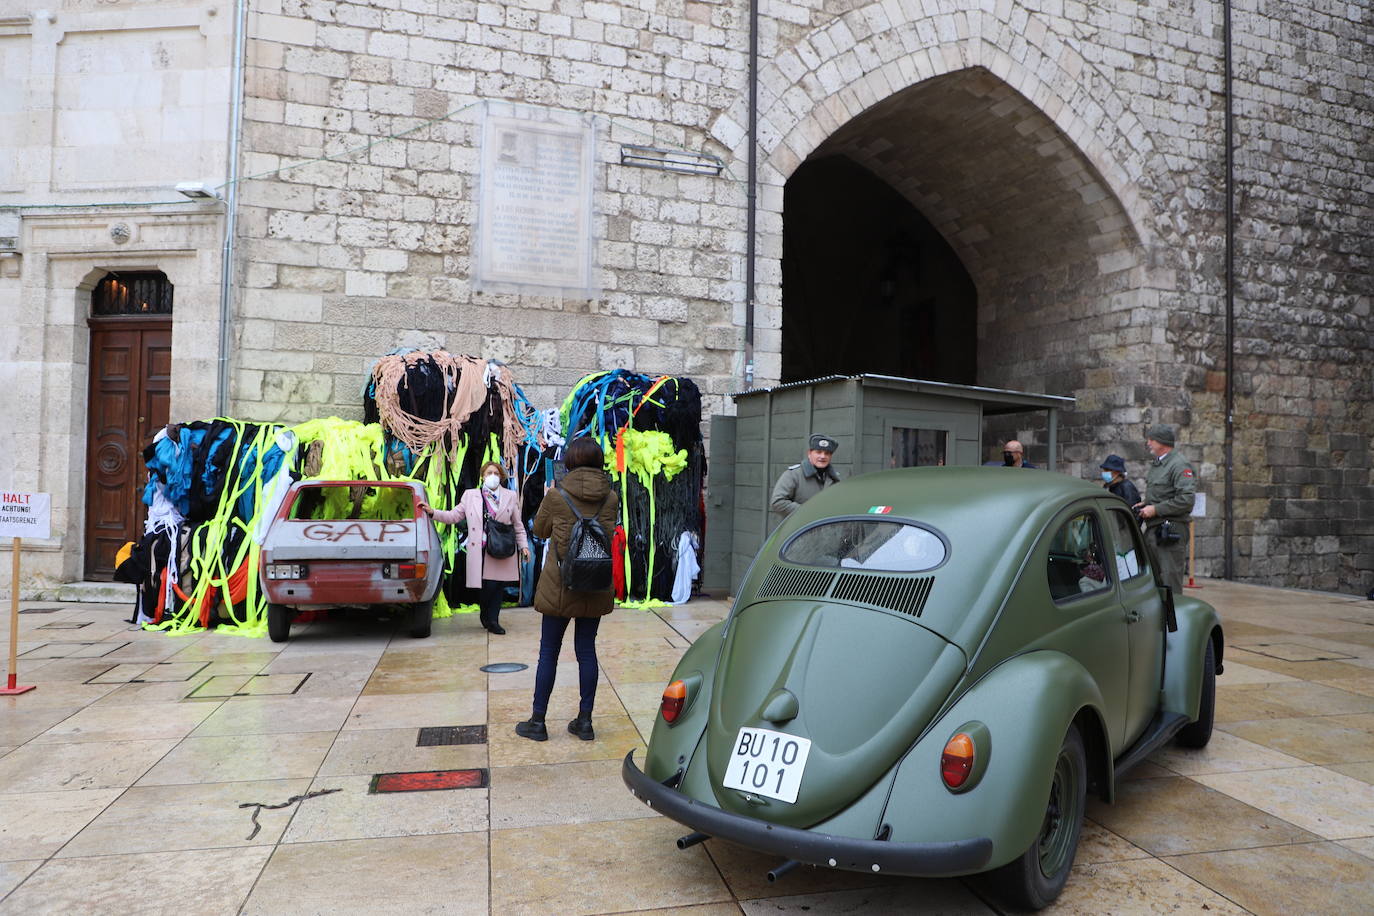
(1107, 476)
(492, 481)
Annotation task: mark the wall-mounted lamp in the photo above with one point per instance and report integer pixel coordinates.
(670, 160)
(198, 190)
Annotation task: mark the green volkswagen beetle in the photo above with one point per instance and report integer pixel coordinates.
(924, 673)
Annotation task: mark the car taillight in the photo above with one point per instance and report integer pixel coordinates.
(286, 570)
(674, 698)
(956, 763)
(404, 570)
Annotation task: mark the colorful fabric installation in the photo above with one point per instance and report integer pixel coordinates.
(215, 485)
(650, 429)
(444, 416)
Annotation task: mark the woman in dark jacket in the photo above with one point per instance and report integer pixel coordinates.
(1114, 479)
(589, 487)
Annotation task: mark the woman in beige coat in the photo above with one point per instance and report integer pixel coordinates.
(589, 488)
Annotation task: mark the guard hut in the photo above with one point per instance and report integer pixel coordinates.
(879, 421)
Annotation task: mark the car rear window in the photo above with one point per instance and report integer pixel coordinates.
(886, 546)
(387, 504)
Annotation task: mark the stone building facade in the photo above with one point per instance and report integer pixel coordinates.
(1071, 155)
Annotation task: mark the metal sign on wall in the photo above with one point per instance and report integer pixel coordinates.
(535, 203)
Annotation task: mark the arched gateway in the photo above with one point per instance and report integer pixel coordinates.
(958, 197)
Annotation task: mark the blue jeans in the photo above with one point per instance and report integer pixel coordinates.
(550, 644)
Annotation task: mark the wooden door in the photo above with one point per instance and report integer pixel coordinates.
(131, 372)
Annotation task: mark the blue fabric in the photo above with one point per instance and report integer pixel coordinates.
(171, 464)
(550, 644)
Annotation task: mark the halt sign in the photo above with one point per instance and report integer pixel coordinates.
(25, 515)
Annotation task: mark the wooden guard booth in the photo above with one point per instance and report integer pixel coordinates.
(879, 422)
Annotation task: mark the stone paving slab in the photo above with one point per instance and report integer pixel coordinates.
(122, 776)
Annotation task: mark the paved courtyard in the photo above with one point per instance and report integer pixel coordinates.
(124, 779)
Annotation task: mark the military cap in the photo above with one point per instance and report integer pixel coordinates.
(1114, 463)
(824, 443)
(1161, 433)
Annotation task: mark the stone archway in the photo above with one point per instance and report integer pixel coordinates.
(1025, 162)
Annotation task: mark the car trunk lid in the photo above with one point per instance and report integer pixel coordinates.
(343, 539)
(863, 684)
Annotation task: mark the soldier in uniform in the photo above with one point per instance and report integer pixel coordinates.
(802, 481)
(1170, 486)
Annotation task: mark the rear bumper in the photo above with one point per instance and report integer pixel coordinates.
(337, 582)
(923, 860)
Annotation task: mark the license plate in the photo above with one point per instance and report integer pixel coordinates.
(765, 762)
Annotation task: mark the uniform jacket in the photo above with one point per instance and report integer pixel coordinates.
(554, 520)
(799, 483)
(507, 510)
(1170, 486)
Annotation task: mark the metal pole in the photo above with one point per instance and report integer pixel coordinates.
(751, 195)
(1228, 568)
(231, 200)
(1051, 464)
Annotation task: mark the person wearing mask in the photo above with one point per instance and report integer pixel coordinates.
(492, 499)
(1013, 456)
(588, 487)
(802, 481)
(1170, 488)
(1115, 481)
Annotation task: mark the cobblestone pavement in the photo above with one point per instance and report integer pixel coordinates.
(124, 775)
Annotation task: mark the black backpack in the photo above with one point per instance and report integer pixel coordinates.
(586, 565)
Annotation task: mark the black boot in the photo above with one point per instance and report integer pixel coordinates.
(582, 727)
(534, 729)
(494, 626)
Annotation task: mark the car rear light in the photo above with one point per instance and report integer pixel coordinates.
(404, 570)
(674, 698)
(286, 570)
(956, 763)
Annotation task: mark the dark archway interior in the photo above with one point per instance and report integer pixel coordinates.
(869, 286)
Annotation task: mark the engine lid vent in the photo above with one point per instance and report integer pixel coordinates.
(907, 596)
(796, 583)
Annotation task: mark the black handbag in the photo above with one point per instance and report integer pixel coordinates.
(499, 536)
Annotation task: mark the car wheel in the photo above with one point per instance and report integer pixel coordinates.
(1198, 733)
(421, 619)
(278, 622)
(1033, 880)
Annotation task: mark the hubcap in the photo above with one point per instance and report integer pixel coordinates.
(1061, 814)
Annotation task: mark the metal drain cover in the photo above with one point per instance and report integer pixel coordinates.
(441, 736)
(504, 667)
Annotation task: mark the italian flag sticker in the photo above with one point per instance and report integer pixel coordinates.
(879, 510)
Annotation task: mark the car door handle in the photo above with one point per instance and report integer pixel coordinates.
(1133, 617)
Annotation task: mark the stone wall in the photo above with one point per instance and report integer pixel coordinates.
(345, 259)
(1070, 152)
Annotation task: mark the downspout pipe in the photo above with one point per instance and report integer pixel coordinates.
(231, 198)
(751, 195)
(1229, 538)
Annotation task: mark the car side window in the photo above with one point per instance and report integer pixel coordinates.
(1075, 559)
(1130, 559)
